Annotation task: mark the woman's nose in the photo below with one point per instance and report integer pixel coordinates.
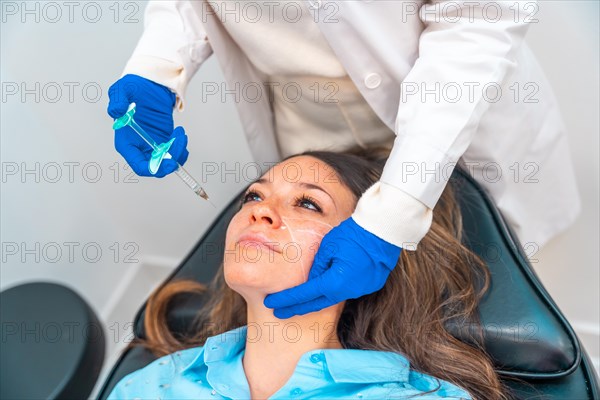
(263, 213)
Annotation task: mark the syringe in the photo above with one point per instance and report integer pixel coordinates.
(161, 151)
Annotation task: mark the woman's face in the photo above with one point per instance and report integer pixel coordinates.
(271, 242)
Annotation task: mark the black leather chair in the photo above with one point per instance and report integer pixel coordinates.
(525, 332)
(52, 343)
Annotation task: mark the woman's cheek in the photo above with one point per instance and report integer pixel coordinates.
(232, 229)
(298, 246)
(305, 237)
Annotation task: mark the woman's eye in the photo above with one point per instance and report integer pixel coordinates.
(303, 201)
(250, 196)
(308, 201)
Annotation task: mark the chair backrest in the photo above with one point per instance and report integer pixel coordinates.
(525, 333)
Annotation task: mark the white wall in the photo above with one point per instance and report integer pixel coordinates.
(92, 212)
(52, 131)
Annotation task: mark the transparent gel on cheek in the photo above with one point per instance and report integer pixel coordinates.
(312, 220)
(303, 230)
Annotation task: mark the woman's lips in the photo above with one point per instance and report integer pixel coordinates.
(260, 239)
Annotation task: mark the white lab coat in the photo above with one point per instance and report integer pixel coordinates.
(515, 143)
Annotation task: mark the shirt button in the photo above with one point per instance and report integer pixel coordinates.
(213, 392)
(296, 392)
(372, 80)
(315, 358)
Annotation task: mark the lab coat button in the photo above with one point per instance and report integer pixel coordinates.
(372, 80)
(193, 53)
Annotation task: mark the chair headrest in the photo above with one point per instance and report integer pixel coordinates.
(525, 333)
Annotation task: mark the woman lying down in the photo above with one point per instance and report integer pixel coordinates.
(388, 344)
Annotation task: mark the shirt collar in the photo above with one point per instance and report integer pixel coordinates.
(344, 365)
(219, 347)
(366, 366)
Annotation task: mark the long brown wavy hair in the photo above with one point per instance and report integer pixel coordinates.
(438, 284)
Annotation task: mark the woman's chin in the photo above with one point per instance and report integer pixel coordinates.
(255, 275)
(252, 279)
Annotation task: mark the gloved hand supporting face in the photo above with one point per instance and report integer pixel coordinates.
(351, 262)
(154, 113)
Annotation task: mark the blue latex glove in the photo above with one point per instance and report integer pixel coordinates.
(154, 113)
(351, 262)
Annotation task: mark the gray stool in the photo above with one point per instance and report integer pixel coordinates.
(52, 343)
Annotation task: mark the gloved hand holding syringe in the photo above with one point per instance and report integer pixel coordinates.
(160, 152)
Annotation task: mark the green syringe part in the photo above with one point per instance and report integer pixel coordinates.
(160, 151)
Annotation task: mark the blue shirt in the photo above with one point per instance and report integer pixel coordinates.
(215, 371)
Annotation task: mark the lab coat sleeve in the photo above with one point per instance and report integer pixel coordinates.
(393, 215)
(466, 44)
(172, 47)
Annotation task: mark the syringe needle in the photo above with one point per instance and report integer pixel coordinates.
(191, 182)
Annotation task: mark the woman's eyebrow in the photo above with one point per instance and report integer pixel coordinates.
(303, 184)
